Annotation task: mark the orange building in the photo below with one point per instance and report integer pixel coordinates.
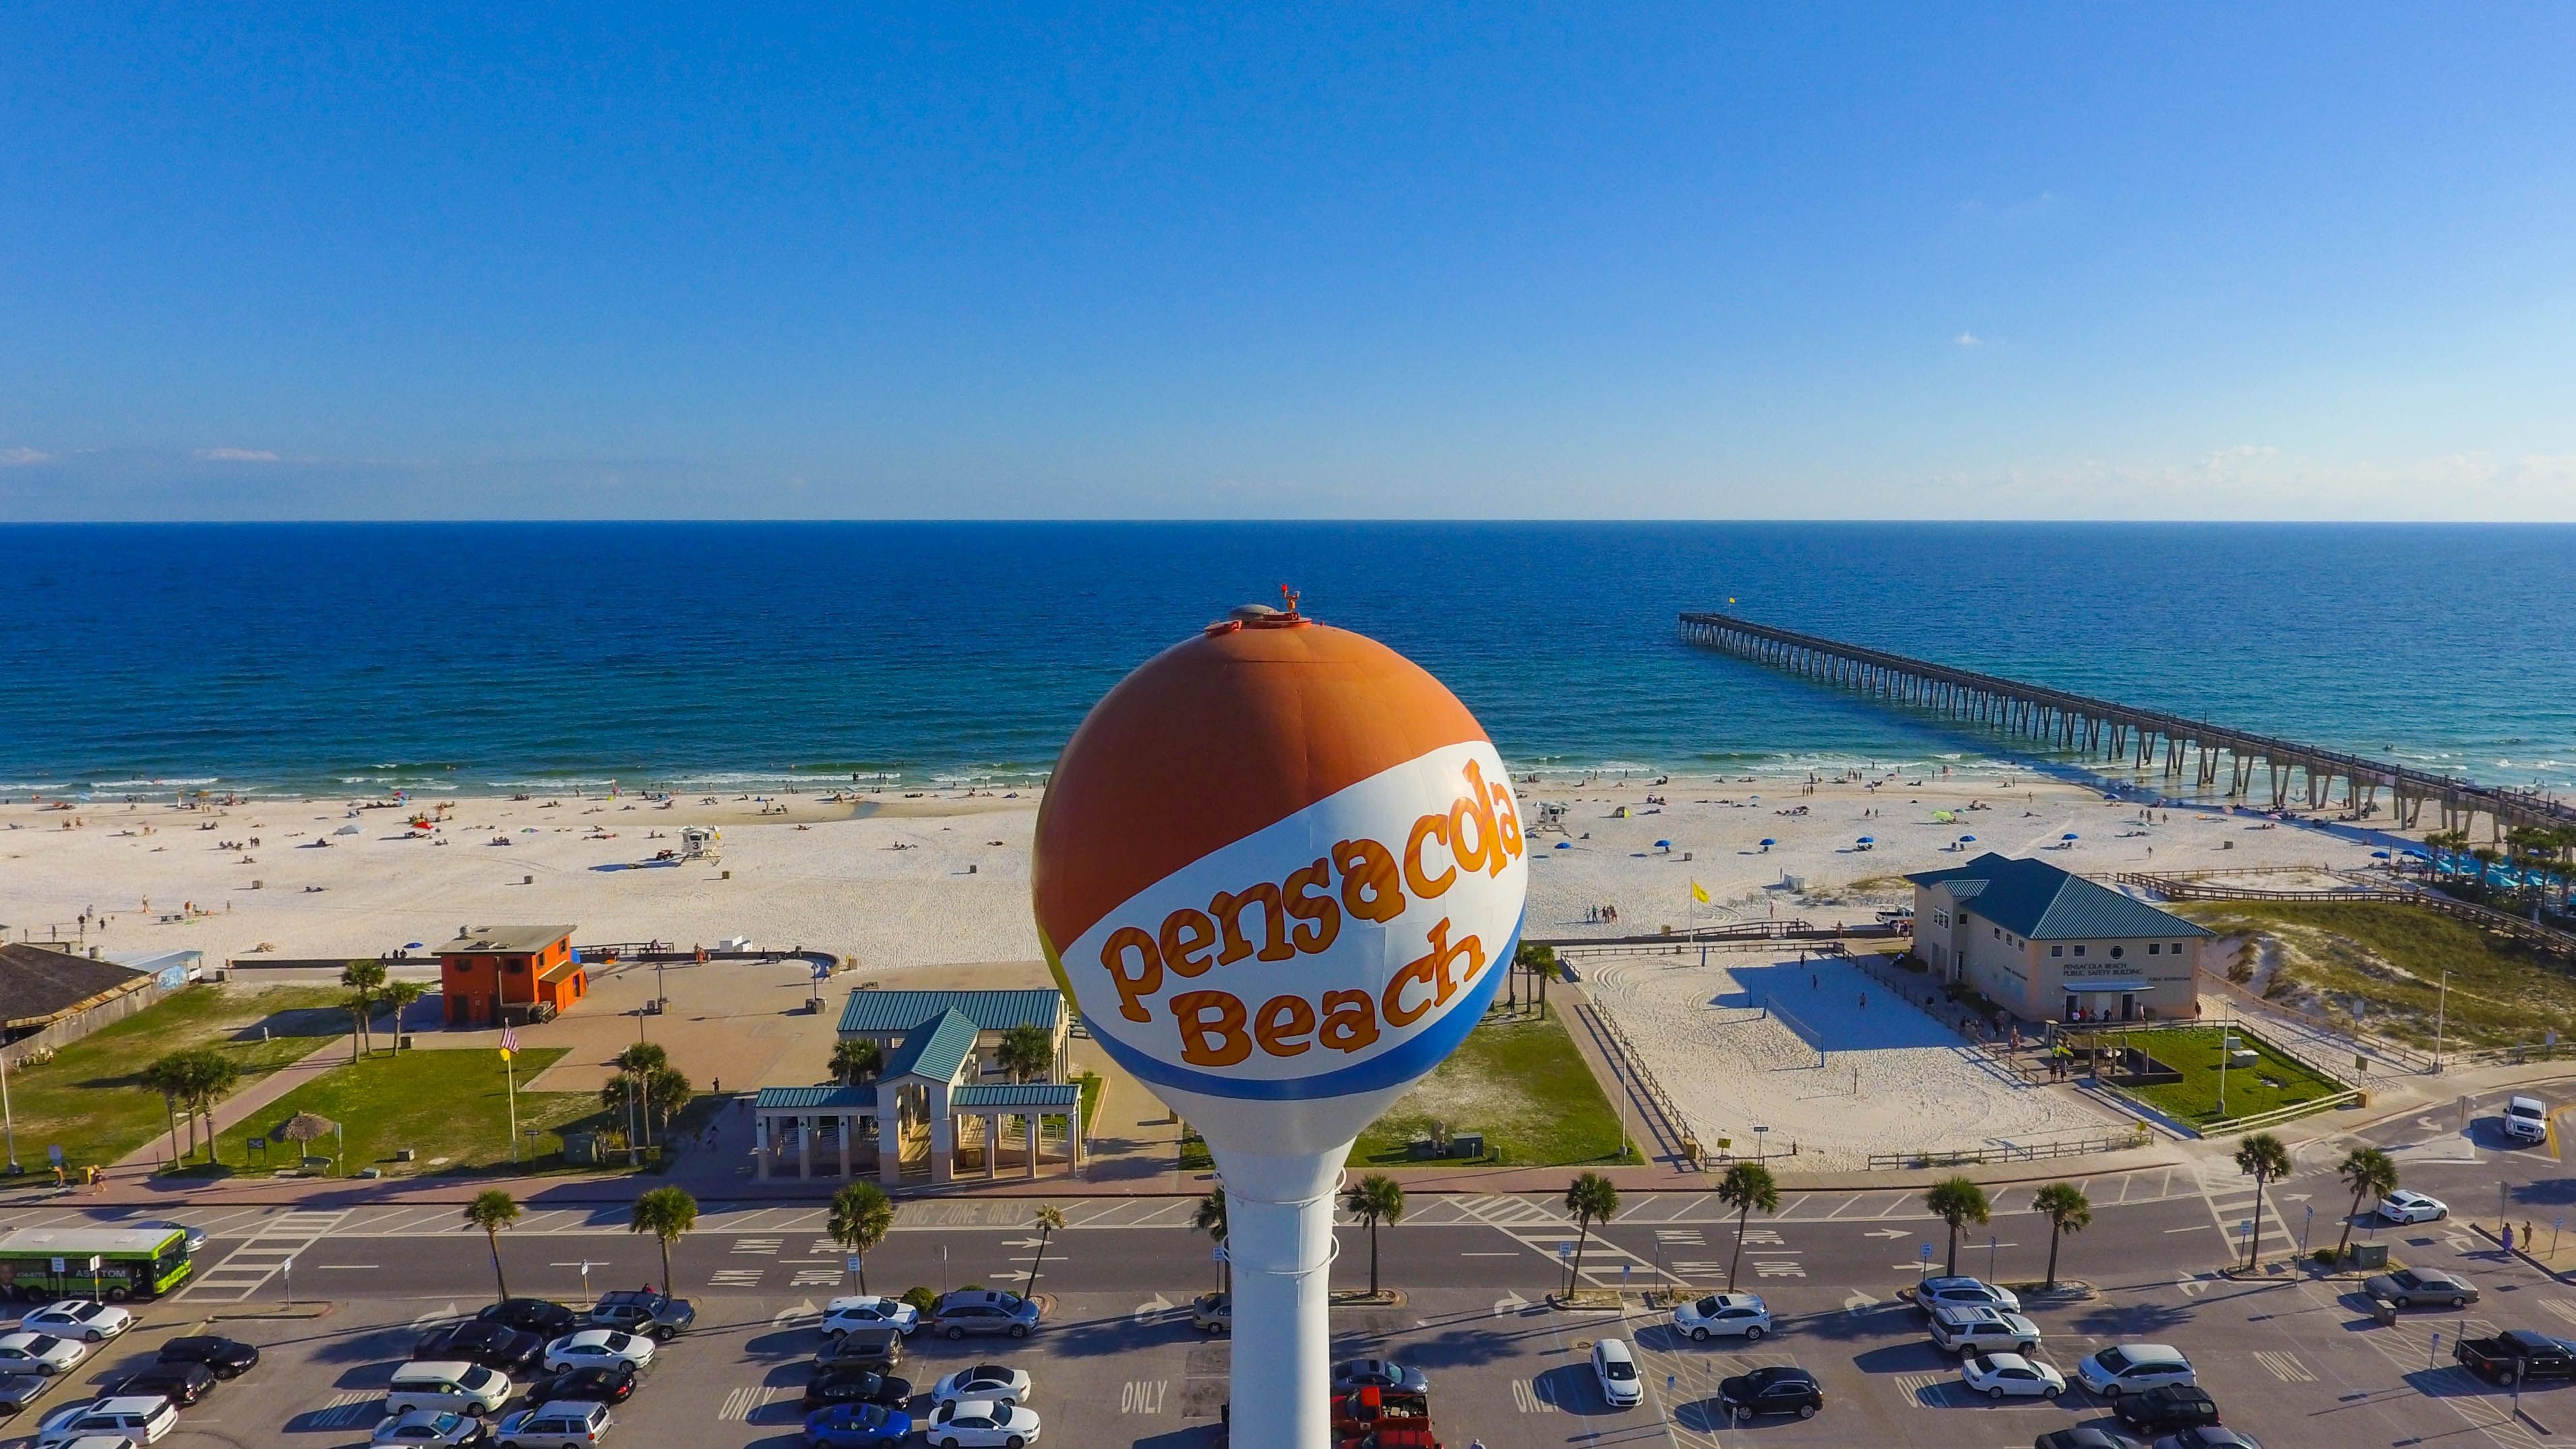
(510, 973)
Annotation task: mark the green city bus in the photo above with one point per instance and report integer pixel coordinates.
(117, 1264)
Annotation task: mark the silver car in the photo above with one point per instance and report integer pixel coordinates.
(982, 1311)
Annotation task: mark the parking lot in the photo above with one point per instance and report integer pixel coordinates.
(2294, 1362)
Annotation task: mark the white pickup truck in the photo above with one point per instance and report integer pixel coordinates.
(2526, 1119)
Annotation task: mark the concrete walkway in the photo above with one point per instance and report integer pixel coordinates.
(233, 1110)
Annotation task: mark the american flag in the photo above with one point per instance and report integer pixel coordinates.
(509, 1041)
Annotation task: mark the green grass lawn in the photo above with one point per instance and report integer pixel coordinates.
(1519, 1081)
(86, 1099)
(450, 1107)
(2274, 1082)
(2387, 960)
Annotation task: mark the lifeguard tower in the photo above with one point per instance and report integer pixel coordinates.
(701, 842)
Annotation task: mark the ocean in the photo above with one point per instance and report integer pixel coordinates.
(479, 658)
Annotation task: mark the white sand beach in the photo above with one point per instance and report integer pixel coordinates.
(944, 878)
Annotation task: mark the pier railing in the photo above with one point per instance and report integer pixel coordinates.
(2082, 724)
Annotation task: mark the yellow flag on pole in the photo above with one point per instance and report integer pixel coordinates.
(1699, 893)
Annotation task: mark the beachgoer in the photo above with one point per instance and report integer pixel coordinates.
(1864, 1001)
(2508, 1237)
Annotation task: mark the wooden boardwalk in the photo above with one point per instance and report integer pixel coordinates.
(2103, 729)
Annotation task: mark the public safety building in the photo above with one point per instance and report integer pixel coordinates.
(2044, 942)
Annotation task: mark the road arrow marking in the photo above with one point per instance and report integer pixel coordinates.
(441, 1316)
(1509, 1304)
(1887, 1233)
(2191, 1286)
(1022, 1243)
(804, 1309)
(1151, 1306)
(1858, 1304)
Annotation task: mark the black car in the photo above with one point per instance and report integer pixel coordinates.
(547, 1320)
(2208, 1436)
(880, 1349)
(1780, 1390)
(856, 1386)
(596, 1384)
(181, 1383)
(2167, 1407)
(2084, 1436)
(1378, 1373)
(225, 1358)
(493, 1345)
(657, 1315)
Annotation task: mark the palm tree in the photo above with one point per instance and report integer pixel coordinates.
(1375, 1199)
(365, 979)
(400, 995)
(1591, 1198)
(856, 1059)
(860, 1219)
(2262, 1158)
(210, 1075)
(2068, 1210)
(168, 1075)
(492, 1210)
(666, 1091)
(1746, 1186)
(1540, 962)
(666, 1213)
(638, 1063)
(1049, 1221)
(1957, 1202)
(2369, 1172)
(1209, 1218)
(1026, 1052)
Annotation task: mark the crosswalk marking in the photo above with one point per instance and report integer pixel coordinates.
(810, 1277)
(2285, 1367)
(823, 1247)
(762, 1246)
(735, 1278)
(247, 1269)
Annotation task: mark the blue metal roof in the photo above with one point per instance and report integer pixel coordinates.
(2039, 902)
(879, 1012)
(816, 1099)
(935, 1048)
(1030, 1094)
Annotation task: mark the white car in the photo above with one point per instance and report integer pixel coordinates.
(843, 1314)
(2403, 1206)
(2011, 1376)
(1616, 1369)
(143, 1418)
(599, 1348)
(2126, 1368)
(2526, 1119)
(999, 1382)
(1720, 1315)
(81, 1318)
(1931, 1293)
(980, 1424)
(38, 1353)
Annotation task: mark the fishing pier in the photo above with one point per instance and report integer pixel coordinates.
(2101, 729)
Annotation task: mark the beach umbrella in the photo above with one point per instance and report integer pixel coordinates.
(2379, 855)
(2070, 835)
(1768, 842)
(1565, 845)
(411, 945)
(1663, 845)
(2417, 855)
(305, 1126)
(1869, 840)
(1967, 840)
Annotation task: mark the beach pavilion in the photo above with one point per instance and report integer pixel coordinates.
(932, 1112)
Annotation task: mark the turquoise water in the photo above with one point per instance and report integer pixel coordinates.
(489, 657)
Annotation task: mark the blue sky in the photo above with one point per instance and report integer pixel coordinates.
(1428, 261)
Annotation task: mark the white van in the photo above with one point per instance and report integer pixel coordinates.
(468, 1388)
(2125, 1368)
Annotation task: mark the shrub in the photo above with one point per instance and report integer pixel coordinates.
(922, 1299)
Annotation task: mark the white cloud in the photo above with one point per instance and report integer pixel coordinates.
(235, 455)
(24, 458)
(1969, 339)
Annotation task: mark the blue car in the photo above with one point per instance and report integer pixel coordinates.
(856, 1426)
